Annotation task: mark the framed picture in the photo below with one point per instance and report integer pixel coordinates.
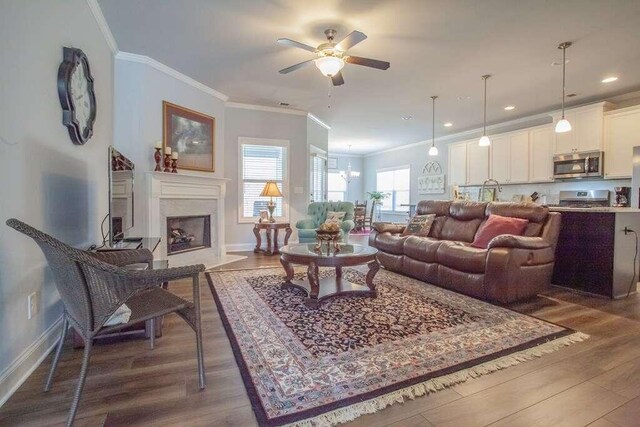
(191, 135)
(264, 216)
(332, 163)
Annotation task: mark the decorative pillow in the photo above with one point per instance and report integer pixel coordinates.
(419, 225)
(497, 225)
(335, 217)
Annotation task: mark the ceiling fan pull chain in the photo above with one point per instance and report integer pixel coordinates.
(329, 93)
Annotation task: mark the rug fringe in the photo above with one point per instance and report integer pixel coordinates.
(350, 413)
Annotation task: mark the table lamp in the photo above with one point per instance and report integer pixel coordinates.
(271, 190)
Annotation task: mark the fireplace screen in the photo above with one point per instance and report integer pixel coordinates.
(188, 233)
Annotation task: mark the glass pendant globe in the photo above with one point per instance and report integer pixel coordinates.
(484, 141)
(563, 126)
(329, 65)
(433, 151)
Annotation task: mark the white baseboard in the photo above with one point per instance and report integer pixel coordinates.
(19, 370)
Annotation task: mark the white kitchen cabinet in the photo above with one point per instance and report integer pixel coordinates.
(510, 157)
(458, 164)
(621, 134)
(477, 163)
(586, 132)
(541, 141)
(500, 158)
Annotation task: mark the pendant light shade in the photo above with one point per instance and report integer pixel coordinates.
(485, 141)
(563, 124)
(433, 151)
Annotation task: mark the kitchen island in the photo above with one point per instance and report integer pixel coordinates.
(594, 253)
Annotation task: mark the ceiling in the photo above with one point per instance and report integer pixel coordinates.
(436, 47)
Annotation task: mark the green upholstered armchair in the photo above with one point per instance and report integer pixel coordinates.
(317, 214)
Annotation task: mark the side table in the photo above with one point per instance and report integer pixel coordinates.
(269, 227)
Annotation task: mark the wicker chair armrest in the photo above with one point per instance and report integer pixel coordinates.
(152, 277)
(124, 257)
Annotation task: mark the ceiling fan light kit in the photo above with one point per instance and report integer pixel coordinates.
(485, 141)
(331, 57)
(563, 124)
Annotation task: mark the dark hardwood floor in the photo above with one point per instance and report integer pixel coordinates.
(596, 382)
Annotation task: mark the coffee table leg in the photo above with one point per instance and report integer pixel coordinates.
(275, 242)
(314, 282)
(287, 269)
(256, 232)
(374, 266)
(339, 271)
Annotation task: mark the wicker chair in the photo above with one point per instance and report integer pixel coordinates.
(93, 285)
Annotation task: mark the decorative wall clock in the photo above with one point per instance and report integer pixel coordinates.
(77, 98)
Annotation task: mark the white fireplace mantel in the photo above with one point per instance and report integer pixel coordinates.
(192, 194)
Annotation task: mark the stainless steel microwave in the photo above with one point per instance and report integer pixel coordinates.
(578, 165)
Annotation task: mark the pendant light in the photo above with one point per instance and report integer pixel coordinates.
(563, 125)
(433, 151)
(485, 141)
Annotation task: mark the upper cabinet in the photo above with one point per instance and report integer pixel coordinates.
(586, 129)
(510, 157)
(541, 144)
(621, 134)
(477, 163)
(458, 164)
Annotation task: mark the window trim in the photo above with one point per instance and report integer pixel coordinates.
(285, 182)
(394, 168)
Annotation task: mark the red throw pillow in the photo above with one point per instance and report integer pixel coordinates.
(497, 225)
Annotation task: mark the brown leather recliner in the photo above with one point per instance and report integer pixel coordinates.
(510, 269)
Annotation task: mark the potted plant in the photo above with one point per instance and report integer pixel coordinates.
(377, 197)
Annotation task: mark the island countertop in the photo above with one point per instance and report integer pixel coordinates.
(609, 209)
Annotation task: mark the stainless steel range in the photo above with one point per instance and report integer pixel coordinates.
(584, 199)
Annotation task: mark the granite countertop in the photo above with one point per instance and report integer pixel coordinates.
(594, 210)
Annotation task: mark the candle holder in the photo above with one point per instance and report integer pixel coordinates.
(167, 163)
(174, 165)
(158, 158)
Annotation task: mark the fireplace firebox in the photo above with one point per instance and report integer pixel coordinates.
(188, 233)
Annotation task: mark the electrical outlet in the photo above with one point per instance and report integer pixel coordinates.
(33, 304)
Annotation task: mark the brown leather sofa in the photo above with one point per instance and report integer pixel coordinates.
(510, 269)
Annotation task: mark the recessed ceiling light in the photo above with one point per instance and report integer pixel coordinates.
(609, 79)
(463, 98)
(510, 107)
(284, 104)
(559, 63)
(448, 124)
(407, 117)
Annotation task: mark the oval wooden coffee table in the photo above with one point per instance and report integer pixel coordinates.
(321, 289)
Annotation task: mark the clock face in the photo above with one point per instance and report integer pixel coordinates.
(75, 90)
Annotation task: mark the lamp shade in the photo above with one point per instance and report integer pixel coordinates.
(563, 126)
(329, 65)
(433, 151)
(484, 141)
(271, 190)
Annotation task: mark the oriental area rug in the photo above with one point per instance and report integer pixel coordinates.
(357, 355)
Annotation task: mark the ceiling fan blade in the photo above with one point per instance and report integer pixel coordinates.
(296, 66)
(293, 43)
(351, 40)
(367, 62)
(337, 79)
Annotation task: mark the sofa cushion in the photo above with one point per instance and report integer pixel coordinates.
(497, 225)
(465, 211)
(438, 207)
(420, 225)
(459, 231)
(335, 217)
(390, 243)
(422, 248)
(462, 257)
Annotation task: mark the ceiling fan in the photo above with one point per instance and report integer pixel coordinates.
(332, 56)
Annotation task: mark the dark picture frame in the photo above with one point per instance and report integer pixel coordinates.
(191, 134)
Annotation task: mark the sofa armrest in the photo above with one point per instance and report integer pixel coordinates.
(347, 226)
(387, 227)
(306, 223)
(518, 242)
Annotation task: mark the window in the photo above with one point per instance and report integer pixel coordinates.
(262, 160)
(396, 182)
(337, 187)
(318, 164)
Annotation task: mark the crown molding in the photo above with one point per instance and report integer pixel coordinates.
(318, 121)
(268, 108)
(96, 11)
(132, 57)
(471, 133)
(346, 156)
